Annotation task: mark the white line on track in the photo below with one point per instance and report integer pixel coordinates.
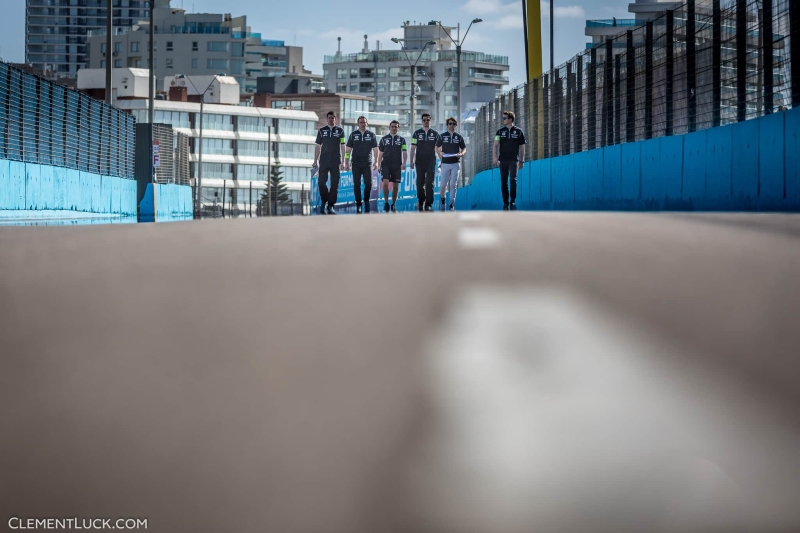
(469, 217)
(472, 238)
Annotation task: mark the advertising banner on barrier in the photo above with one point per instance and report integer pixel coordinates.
(346, 198)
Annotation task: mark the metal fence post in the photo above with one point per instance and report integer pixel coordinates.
(568, 115)
(769, 60)
(546, 113)
(648, 81)
(691, 65)
(716, 64)
(794, 40)
(535, 125)
(608, 93)
(741, 59)
(670, 60)
(630, 78)
(591, 112)
(577, 126)
(617, 122)
(557, 99)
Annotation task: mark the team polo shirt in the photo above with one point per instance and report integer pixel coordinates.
(362, 145)
(451, 143)
(510, 141)
(331, 141)
(425, 143)
(392, 148)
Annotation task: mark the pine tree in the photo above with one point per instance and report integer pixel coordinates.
(277, 193)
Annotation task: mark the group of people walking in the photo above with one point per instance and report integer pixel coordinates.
(363, 152)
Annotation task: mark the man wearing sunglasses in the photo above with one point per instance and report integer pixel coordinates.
(423, 154)
(509, 152)
(328, 156)
(392, 156)
(451, 148)
(362, 147)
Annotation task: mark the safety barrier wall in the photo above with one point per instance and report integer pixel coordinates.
(30, 186)
(172, 202)
(747, 166)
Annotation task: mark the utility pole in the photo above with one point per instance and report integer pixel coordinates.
(151, 82)
(109, 53)
(413, 72)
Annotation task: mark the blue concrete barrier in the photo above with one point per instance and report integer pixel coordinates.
(752, 166)
(34, 187)
(171, 202)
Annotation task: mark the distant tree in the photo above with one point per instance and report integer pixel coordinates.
(276, 194)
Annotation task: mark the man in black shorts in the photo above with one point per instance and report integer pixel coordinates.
(509, 152)
(392, 158)
(362, 150)
(328, 157)
(423, 153)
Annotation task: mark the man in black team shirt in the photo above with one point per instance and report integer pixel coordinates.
(392, 158)
(509, 152)
(328, 157)
(362, 150)
(451, 148)
(423, 153)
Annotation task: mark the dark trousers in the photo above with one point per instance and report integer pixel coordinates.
(328, 197)
(362, 170)
(426, 175)
(508, 169)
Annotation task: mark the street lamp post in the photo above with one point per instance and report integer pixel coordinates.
(458, 57)
(413, 72)
(438, 94)
(198, 185)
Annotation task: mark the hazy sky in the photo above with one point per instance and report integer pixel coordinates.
(315, 24)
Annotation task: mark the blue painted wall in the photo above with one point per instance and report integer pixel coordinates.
(172, 202)
(749, 166)
(30, 186)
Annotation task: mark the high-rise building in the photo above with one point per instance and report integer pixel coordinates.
(385, 75)
(56, 30)
(198, 44)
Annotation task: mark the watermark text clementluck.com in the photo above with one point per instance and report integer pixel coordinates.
(76, 523)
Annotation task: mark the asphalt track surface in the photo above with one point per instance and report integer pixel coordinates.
(459, 372)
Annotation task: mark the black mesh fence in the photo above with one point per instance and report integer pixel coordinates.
(705, 64)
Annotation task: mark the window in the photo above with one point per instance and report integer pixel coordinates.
(381, 73)
(341, 87)
(216, 122)
(252, 172)
(366, 87)
(297, 127)
(237, 49)
(253, 149)
(237, 66)
(195, 46)
(450, 100)
(221, 171)
(117, 47)
(397, 100)
(325, 74)
(216, 146)
(254, 124)
(103, 63)
(354, 73)
(117, 63)
(169, 62)
(135, 46)
(451, 86)
(341, 73)
(103, 48)
(288, 104)
(169, 46)
(394, 72)
(217, 64)
(381, 87)
(380, 101)
(194, 63)
(177, 119)
(217, 46)
(399, 85)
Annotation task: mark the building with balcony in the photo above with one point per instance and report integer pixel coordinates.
(642, 10)
(197, 44)
(241, 144)
(56, 30)
(385, 75)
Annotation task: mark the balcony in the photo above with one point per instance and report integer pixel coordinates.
(374, 117)
(606, 23)
(492, 77)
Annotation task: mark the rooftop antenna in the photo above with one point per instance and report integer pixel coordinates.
(366, 45)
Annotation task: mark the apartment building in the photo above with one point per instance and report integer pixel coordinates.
(385, 75)
(197, 44)
(56, 30)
